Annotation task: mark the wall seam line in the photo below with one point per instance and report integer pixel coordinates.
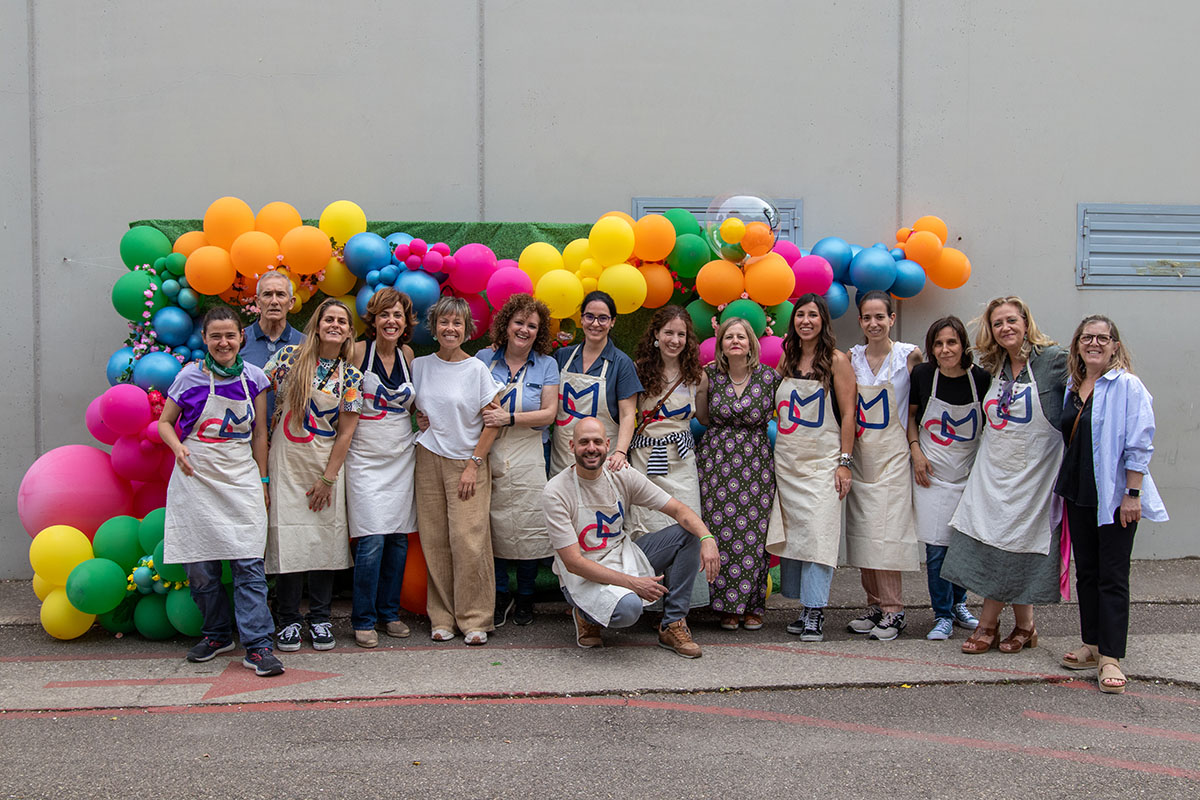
(34, 225)
(480, 89)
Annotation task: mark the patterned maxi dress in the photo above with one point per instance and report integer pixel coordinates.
(737, 487)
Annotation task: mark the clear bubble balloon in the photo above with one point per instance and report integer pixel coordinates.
(753, 214)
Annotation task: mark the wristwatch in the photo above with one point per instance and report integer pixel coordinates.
(478, 461)
(1134, 492)
(846, 460)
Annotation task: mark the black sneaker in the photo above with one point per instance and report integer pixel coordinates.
(321, 634)
(889, 626)
(288, 638)
(801, 622)
(504, 606)
(263, 662)
(866, 622)
(207, 650)
(523, 614)
(814, 626)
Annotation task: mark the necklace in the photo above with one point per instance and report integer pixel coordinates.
(741, 382)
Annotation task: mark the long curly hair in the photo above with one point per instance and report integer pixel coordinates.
(826, 344)
(647, 358)
(1120, 358)
(384, 299)
(991, 354)
(299, 381)
(522, 304)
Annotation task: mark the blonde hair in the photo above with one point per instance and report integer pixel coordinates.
(1077, 370)
(721, 360)
(447, 305)
(991, 354)
(304, 364)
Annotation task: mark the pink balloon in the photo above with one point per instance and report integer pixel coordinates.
(813, 274)
(151, 432)
(440, 247)
(418, 247)
(432, 262)
(413, 261)
(770, 350)
(481, 313)
(505, 282)
(708, 350)
(506, 262)
(72, 485)
(96, 426)
(449, 264)
(125, 409)
(788, 250)
(149, 497)
(132, 462)
(474, 264)
(167, 466)
(402, 252)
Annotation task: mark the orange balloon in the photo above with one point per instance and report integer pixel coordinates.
(306, 250)
(903, 234)
(923, 247)
(276, 219)
(188, 242)
(758, 240)
(241, 292)
(209, 270)
(934, 225)
(416, 578)
(659, 284)
(654, 238)
(254, 252)
(769, 280)
(227, 219)
(620, 214)
(720, 282)
(951, 270)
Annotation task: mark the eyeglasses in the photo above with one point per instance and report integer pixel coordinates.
(603, 319)
(1099, 338)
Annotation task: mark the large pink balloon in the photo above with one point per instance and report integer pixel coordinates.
(149, 497)
(770, 350)
(473, 265)
(708, 350)
(135, 462)
(96, 426)
(813, 274)
(788, 250)
(72, 485)
(481, 313)
(505, 282)
(125, 409)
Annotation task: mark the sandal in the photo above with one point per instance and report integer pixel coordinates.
(752, 622)
(441, 634)
(475, 638)
(1110, 677)
(1083, 657)
(982, 640)
(729, 622)
(1019, 639)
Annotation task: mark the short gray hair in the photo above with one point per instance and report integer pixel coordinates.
(450, 306)
(274, 274)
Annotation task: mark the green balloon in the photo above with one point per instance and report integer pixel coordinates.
(129, 298)
(689, 255)
(150, 530)
(783, 315)
(702, 315)
(684, 221)
(168, 572)
(150, 617)
(226, 573)
(120, 619)
(175, 263)
(748, 310)
(144, 245)
(96, 586)
(183, 612)
(117, 540)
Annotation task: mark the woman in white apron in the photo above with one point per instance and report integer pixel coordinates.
(217, 495)
(815, 408)
(380, 504)
(880, 537)
(944, 420)
(1005, 545)
(596, 380)
(668, 365)
(520, 360)
(318, 397)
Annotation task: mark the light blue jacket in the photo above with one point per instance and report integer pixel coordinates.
(1123, 438)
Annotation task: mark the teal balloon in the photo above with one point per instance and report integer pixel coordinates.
(910, 279)
(183, 613)
(683, 221)
(175, 263)
(168, 572)
(748, 310)
(129, 298)
(143, 578)
(117, 540)
(690, 253)
(120, 619)
(702, 315)
(838, 299)
(150, 617)
(150, 531)
(144, 245)
(96, 586)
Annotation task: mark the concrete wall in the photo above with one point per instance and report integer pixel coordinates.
(999, 119)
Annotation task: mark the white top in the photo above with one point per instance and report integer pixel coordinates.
(894, 369)
(452, 394)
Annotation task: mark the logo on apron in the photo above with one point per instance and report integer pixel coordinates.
(880, 419)
(666, 413)
(602, 530)
(382, 401)
(568, 398)
(795, 403)
(1021, 402)
(225, 431)
(947, 428)
(311, 425)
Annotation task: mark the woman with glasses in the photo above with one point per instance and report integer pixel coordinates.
(1106, 487)
(1005, 544)
(596, 380)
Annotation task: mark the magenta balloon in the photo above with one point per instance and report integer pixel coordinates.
(505, 282)
(481, 313)
(474, 264)
(770, 350)
(167, 466)
(413, 261)
(125, 409)
(708, 350)
(506, 262)
(149, 497)
(788, 250)
(96, 426)
(151, 432)
(440, 247)
(132, 462)
(813, 274)
(72, 485)
(418, 247)
(402, 252)
(449, 264)
(432, 262)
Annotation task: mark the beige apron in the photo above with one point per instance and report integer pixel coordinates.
(217, 512)
(299, 539)
(580, 396)
(379, 465)
(518, 466)
(806, 518)
(949, 436)
(602, 539)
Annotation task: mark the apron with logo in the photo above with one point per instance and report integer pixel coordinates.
(580, 396)
(949, 437)
(518, 466)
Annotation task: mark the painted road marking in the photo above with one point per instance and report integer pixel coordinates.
(234, 679)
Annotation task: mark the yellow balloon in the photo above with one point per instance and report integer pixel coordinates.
(561, 291)
(539, 258)
(732, 230)
(360, 327)
(42, 587)
(626, 285)
(590, 268)
(342, 219)
(574, 254)
(589, 285)
(56, 551)
(338, 280)
(611, 240)
(61, 619)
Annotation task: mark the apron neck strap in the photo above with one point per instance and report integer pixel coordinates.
(212, 389)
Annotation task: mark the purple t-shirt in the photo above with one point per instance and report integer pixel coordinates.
(190, 392)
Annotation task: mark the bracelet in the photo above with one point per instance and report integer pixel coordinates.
(707, 536)
(914, 441)
(623, 452)
(326, 481)
(266, 478)
(512, 418)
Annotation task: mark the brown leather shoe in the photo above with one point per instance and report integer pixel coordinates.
(586, 634)
(1018, 640)
(367, 638)
(982, 640)
(397, 629)
(677, 637)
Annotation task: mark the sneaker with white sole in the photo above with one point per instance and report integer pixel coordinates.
(797, 626)
(942, 630)
(207, 649)
(263, 662)
(963, 617)
(504, 607)
(678, 637)
(814, 626)
(866, 622)
(288, 638)
(321, 634)
(889, 626)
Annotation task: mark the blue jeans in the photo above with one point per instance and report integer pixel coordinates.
(805, 580)
(527, 570)
(255, 626)
(378, 575)
(942, 593)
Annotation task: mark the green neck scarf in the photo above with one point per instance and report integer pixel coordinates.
(232, 371)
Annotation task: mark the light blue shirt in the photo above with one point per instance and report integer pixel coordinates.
(540, 371)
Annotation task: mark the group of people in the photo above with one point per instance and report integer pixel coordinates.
(586, 457)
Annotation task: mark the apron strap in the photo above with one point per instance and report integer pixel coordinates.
(212, 389)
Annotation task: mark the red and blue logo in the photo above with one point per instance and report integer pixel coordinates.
(567, 401)
(225, 428)
(947, 428)
(880, 417)
(794, 414)
(603, 529)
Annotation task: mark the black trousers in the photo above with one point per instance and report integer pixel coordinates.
(289, 590)
(1101, 578)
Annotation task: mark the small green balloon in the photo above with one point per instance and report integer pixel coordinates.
(144, 245)
(96, 586)
(226, 573)
(783, 315)
(150, 532)
(120, 619)
(183, 612)
(748, 310)
(168, 572)
(150, 617)
(702, 315)
(117, 540)
(175, 263)
(684, 221)
(689, 254)
(129, 298)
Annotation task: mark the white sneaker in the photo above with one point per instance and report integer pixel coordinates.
(889, 627)
(942, 630)
(867, 621)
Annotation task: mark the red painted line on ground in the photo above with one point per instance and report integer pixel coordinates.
(802, 651)
(128, 682)
(1093, 687)
(1119, 727)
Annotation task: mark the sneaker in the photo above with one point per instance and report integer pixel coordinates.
(208, 649)
(797, 626)
(963, 617)
(867, 621)
(475, 638)
(263, 662)
(397, 629)
(677, 637)
(942, 630)
(288, 639)
(321, 634)
(504, 606)
(523, 614)
(587, 634)
(368, 638)
(889, 626)
(814, 626)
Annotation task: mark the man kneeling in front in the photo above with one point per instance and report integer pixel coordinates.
(606, 578)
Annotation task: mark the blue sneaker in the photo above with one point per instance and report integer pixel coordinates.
(942, 630)
(208, 649)
(963, 617)
(263, 662)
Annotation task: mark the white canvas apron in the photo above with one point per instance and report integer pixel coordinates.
(1007, 503)
(298, 538)
(949, 437)
(602, 539)
(580, 396)
(217, 512)
(380, 463)
(518, 466)
(806, 518)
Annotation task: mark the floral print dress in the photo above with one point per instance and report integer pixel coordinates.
(737, 486)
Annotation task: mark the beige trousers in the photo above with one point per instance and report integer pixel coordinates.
(882, 587)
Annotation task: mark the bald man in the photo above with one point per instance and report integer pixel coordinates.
(606, 578)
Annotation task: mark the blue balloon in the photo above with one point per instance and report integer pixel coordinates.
(855, 250)
(156, 371)
(118, 362)
(395, 239)
(171, 287)
(182, 281)
(837, 252)
(898, 253)
(373, 277)
(187, 299)
(364, 296)
(421, 287)
(421, 335)
(772, 432)
(366, 251)
(184, 352)
(873, 268)
(880, 245)
(838, 299)
(698, 429)
(172, 326)
(195, 341)
(388, 275)
(803, 253)
(910, 279)
(197, 355)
